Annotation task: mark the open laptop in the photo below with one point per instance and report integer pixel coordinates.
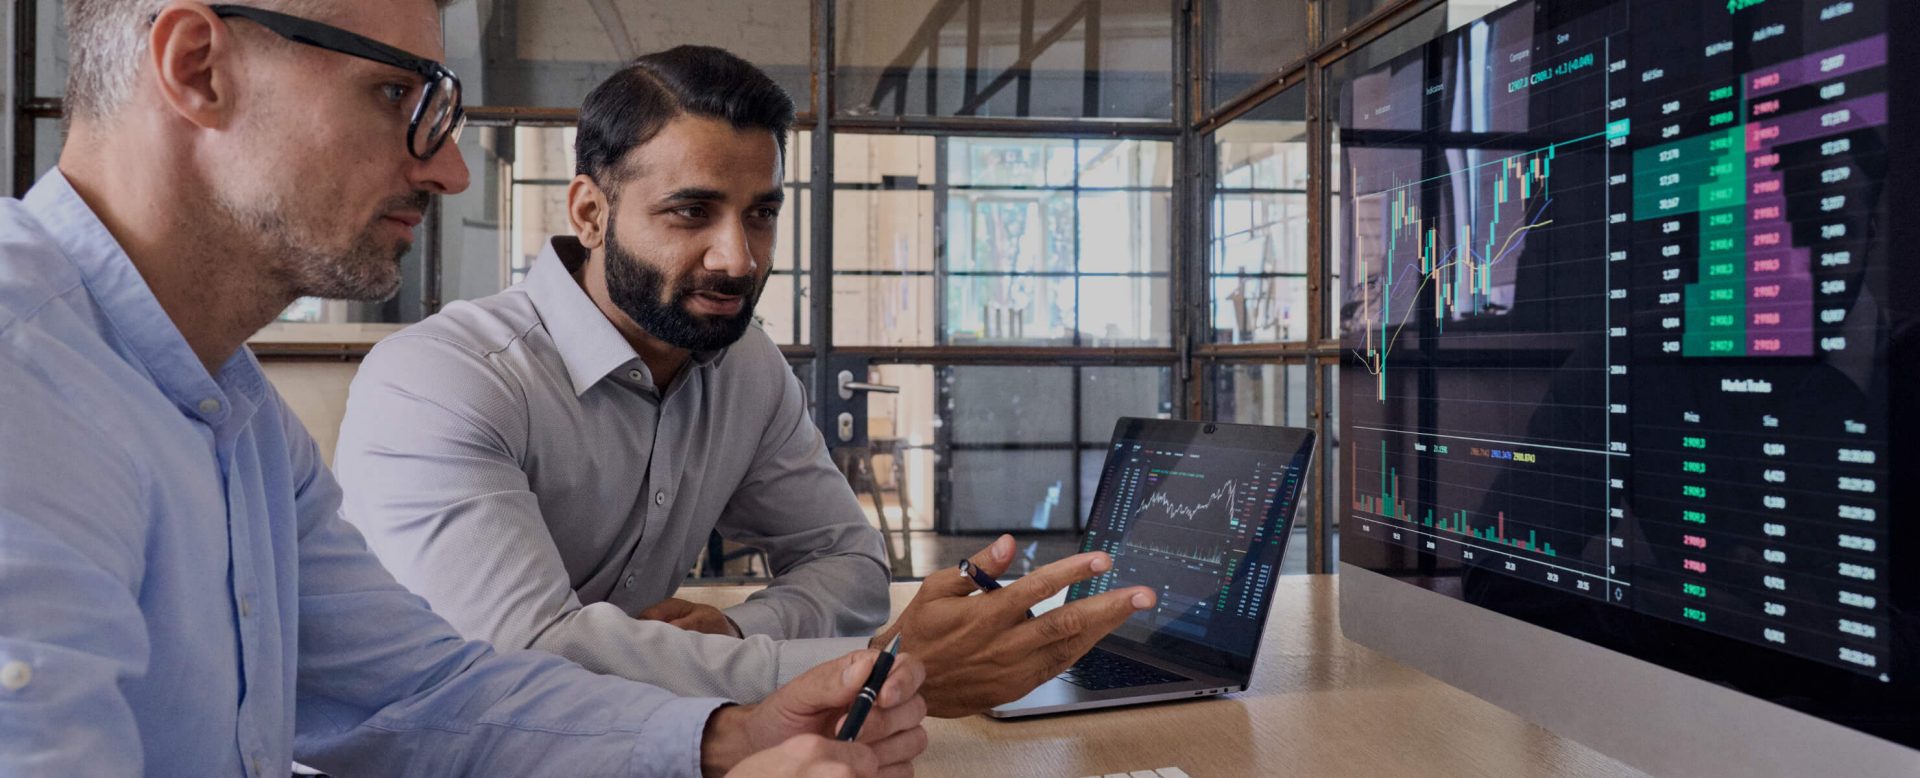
(1200, 512)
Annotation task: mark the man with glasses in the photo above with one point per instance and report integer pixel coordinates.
(545, 464)
(177, 594)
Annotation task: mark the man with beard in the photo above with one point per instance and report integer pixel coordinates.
(545, 464)
(178, 595)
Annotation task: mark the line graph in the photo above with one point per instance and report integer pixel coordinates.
(1519, 197)
(1230, 492)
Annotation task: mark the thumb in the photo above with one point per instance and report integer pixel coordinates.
(992, 560)
(830, 685)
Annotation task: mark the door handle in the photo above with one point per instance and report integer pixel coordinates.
(848, 386)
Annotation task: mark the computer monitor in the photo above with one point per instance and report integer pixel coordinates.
(1629, 413)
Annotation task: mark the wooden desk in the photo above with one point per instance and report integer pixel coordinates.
(1319, 705)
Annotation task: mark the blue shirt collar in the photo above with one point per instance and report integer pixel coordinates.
(133, 316)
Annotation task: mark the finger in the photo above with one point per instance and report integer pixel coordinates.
(666, 610)
(1049, 580)
(836, 683)
(1063, 635)
(897, 771)
(900, 748)
(903, 681)
(815, 751)
(882, 723)
(992, 560)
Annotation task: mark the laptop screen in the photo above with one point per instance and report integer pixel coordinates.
(1201, 513)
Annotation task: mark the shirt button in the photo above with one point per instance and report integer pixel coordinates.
(15, 675)
(209, 406)
(635, 375)
(659, 498)
(246, 608)
(630, 581)
(256, 766)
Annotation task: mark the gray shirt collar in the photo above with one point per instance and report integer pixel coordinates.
(589, 345)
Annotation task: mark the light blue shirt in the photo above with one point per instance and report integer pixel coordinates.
(178, 595)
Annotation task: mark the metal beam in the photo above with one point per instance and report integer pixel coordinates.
(1377, 24)
(821, 272)
(24, 24)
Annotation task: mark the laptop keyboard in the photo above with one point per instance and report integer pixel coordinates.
(1101, 669)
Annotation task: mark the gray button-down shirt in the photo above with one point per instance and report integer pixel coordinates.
(511, 460)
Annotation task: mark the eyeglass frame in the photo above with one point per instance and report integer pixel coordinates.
(331, 38)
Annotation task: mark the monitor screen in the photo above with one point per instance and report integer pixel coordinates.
(1624, 341)
(1200, 513)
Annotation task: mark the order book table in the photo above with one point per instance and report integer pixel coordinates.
(1319, 705)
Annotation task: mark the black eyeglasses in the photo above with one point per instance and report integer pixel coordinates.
(436, 118)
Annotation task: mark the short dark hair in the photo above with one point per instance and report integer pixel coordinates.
(631, 106)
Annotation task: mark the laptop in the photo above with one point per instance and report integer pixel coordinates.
(1201, 512)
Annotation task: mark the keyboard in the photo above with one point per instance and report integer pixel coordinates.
(1101, 669)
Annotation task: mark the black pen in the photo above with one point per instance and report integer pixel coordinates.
(981, 579)
(870, 692)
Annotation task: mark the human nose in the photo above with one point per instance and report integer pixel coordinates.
(443, 173)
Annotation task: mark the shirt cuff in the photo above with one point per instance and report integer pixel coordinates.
(671, 736)
(754, 617)
(798, 656)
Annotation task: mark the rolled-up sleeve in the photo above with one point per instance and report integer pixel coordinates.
(830, 574)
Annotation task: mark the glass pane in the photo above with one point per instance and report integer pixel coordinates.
(1125, 232)
(901, 161)
(1009, 310)
(1108, 393)
(1039, 162)
(1124, 311)
(782, 309)
(1338, 15)
(1260, 394)
(999, 491)
(883, 310)
(1259, 224)
(49, 48)
(903, 425)
(1125, 163)
(1350, 69)
(540, 54)
(1249, 41)
(47, 139)
(1111, 59)
(882, 230)
(1010, 230)
(1460, 12)
(1260, 309)
(994, 405)
(473, 244)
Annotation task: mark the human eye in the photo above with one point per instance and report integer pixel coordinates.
(395, 92)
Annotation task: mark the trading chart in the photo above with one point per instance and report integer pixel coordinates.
(1202, 524)
(1613, 310)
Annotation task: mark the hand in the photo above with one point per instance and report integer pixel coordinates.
(810, 756)
(814, 704)
(690, 616)
(983, 651)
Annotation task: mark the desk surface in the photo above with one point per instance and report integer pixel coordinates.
(1318, 705)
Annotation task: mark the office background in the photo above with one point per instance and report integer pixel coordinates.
(1033, 216)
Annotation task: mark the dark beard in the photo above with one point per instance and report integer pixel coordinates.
(635, 286)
